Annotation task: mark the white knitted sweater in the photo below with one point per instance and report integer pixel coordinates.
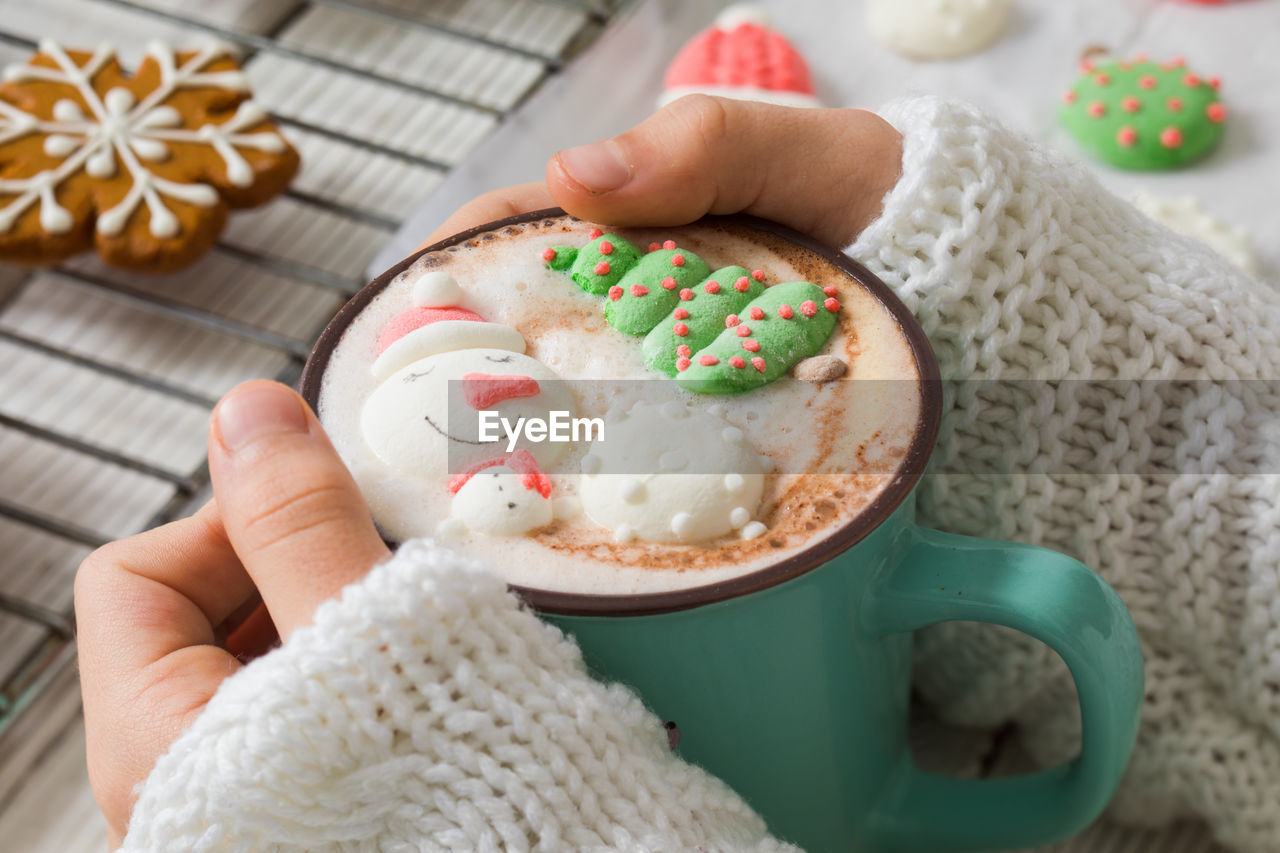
(426, 710)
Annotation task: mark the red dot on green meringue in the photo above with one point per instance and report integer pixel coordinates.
(757, 313)
(758, 275)
(1171, 137)
(1069, 97)
(594, 233)
(1097, 109)
(639, 290)
(708, 360)
(751, 345)
(669, 245)
(680, 329)
(606, 248)
(615, 293)
(1173, 105)
(1131, 104)
(682, 363)
(741, 284)
(744, 331)
(731, 321)
(668, 283)
(683, 351)
(1217, 113)
(1146, 81)
(548, 254)
(677, 260)
(758, 363)
(680, 314)
(738, 361)
(653, 247)
(1126, 136)
(784, 311)
(831, 304)
(1102, 78)
(603, 268)
(1191, 81)
(712, 286)
(686, 294)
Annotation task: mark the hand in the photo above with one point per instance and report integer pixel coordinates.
(165, 616)
(822, 172)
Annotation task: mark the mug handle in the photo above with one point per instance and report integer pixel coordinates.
(944, 577)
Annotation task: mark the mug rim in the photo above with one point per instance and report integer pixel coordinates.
(789, 568)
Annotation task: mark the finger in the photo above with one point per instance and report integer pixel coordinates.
(498, 204)
(141, 598)
(823, 172)
(145, 612)
(289, 505)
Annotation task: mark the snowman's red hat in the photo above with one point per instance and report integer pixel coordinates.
(436, 324)
(740, 56)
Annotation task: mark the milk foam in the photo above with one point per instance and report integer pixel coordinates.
(837, 446)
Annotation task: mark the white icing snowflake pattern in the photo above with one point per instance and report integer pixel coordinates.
(120, 130)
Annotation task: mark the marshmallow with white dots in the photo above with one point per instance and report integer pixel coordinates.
(671, 473)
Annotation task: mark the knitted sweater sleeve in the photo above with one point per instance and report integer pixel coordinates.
(1021, 267)
(427, 710)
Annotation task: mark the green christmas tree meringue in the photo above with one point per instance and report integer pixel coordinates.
(1143, 115)
(719, 333)
(786, 323)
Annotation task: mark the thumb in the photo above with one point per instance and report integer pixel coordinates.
(821, 171)
(291, 511)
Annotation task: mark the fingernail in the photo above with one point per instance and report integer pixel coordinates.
(249, 414)
(600, 167)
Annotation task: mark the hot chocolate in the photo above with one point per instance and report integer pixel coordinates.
(668, 361)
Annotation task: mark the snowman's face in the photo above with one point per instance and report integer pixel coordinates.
(420, 422)
(495, 501)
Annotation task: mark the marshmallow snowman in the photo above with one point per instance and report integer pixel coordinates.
(503, 497)
(438, 366)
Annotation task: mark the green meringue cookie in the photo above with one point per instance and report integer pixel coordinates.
(698, 317)
(651, 289)
(786, 323)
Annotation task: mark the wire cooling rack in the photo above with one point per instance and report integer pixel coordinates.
(107, 378)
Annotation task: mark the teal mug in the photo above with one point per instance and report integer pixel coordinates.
(792, 683)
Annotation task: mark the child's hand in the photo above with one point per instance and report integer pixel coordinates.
(153, 611)
(822, 172)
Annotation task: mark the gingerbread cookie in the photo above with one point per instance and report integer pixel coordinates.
(1143, 115)
(141, 168)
